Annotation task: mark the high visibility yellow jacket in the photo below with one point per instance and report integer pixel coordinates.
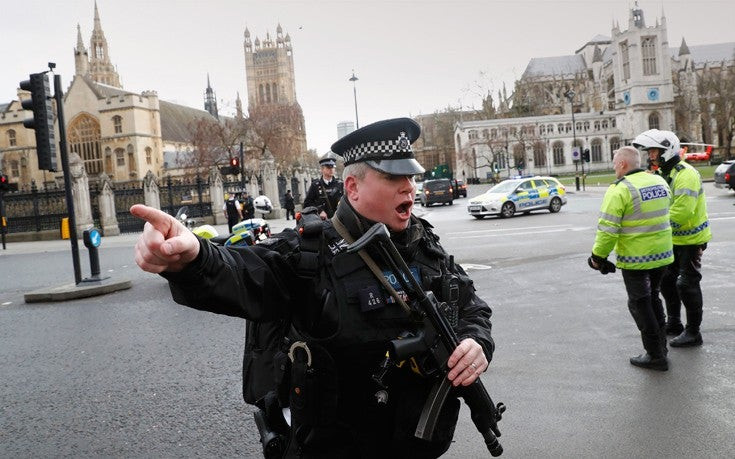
(634, 220)
(689, 221)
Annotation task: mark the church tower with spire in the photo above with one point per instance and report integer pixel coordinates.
(101, 69)
(210, 100)
(81, 56)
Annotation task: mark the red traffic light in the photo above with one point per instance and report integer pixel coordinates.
(4, 183)
(234, 162)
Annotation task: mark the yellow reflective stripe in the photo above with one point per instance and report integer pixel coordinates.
(645, 228)
(610, 217)
(687, 192)
(608, 229)
(646, 215)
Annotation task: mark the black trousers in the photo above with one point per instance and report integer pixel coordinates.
(291, 213)
(680, 284)
(643, 287)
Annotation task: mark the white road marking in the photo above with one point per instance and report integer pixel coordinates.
(6, 303)
(524, 231)
(470, 266)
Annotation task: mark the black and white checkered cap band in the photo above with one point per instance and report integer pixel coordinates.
(379, 149)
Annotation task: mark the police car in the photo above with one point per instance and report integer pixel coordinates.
(522, 194)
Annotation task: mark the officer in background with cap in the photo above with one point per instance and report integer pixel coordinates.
(341, 317)
(326, 191)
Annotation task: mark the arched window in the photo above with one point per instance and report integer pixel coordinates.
(596, 151)
(542, 129)
(120, 156)
(560, 128)
(550, 128)
(84, 140)
(597, 125)
(132, 167)
(117, 124)
(148, 155)
(614, 145)
(12, 141)
(500, 160)
(275, 92)
(586, 126)
(109, 169)
(14, 169)
(604, 124)
(493, 133)
(558, 150)
(539, 154)
(653, 121)
(569, 127)
(268, 92)
(261, 94)
(519, 155)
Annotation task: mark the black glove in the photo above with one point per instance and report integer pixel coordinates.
(604, 266)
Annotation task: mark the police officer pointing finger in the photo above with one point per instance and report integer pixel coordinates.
(345, 398)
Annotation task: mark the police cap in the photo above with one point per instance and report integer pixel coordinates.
(329, 159)
(385, 146)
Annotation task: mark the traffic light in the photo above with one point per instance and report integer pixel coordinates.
(43, 118)
(586, 155)
(234, 166)
(4, 183)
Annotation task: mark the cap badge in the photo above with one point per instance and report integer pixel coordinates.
(403, 143)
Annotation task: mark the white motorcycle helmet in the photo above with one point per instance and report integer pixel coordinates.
(262, 204)
(666, 141)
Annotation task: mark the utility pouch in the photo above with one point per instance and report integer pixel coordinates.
(313, 396)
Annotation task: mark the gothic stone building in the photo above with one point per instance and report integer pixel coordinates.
(620, 86)
(115, 131)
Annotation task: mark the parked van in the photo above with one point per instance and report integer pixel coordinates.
(438, 191)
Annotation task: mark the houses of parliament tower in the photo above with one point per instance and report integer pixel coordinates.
(271, 84)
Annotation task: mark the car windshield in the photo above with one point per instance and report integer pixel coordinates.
(504, 187)
(431, 186)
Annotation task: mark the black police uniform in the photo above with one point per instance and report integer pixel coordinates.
(337, 310)
(337, 306)
(324, 196)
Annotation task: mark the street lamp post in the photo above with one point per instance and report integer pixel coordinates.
(570, 95)
(354, 92)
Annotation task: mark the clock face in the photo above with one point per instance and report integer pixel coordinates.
(626, 97)
(652, 94)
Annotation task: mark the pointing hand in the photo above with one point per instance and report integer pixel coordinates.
(165, 245)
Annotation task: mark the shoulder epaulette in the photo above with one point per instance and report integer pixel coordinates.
(679, 167)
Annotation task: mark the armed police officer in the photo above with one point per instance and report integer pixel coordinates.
(326, 191)
(691, 232)
(341, 316)
(634, 220)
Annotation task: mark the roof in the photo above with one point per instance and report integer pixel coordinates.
(176, 119)
(103, 90)
(717, 52)
(4, 107)
(559, 65)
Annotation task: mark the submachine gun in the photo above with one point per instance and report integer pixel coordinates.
(432, 344)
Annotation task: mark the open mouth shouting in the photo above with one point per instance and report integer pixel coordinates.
(404, 209)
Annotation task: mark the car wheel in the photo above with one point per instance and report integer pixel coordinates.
(422, 204)
(479, 217)
(451, 202)
(555, 205)
(508, 209)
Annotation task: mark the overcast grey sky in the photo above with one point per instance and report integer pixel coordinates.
(411, 57)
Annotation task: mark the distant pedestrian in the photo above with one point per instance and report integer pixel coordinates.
(232, 211)
(289, 205)
(248, 210)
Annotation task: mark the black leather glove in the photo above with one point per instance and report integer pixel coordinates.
(603, 265)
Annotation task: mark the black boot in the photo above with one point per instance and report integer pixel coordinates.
(674, 326)
(688, 338)
(660, 363)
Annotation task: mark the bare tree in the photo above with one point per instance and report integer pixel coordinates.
(280, 130)
(716, 87)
